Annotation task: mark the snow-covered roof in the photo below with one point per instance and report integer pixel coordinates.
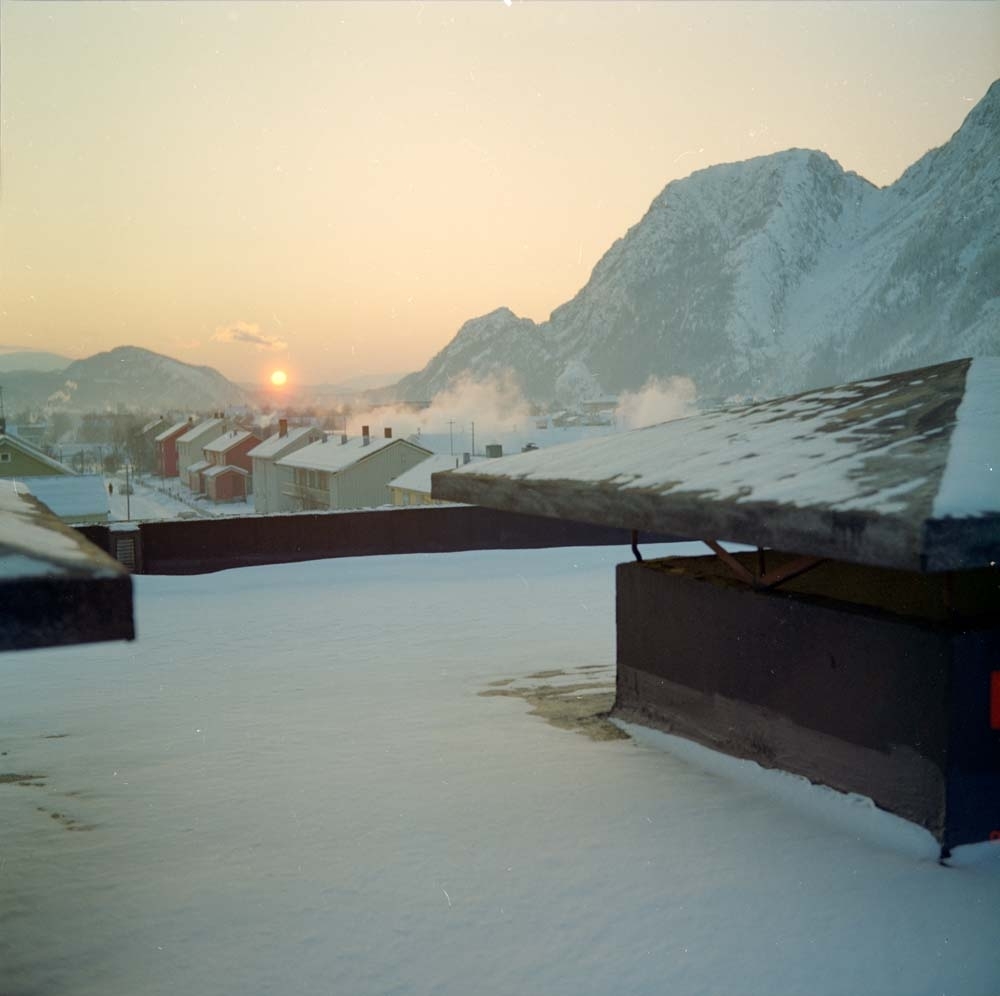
(71, 497)
(17, 443)
(55, 587)
(197, 468)
(218, 471)
(899, 470)
(172, 431)
(419, 478)
(332, 455)
(274, 446)
(198, 432)
(227, 441)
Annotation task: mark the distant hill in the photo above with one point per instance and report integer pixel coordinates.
(32, 359)
(127, 377)
(770, 276)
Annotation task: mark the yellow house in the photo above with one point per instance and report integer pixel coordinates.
(414, 486)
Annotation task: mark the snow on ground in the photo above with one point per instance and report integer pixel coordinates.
(292, 784)
(154, 498)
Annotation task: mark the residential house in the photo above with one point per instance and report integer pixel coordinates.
(413, 487)
(191, 444)
(266, 475)
(228, 452)
(19, 458)
(223, 482)
(166, 447)
(351, 473)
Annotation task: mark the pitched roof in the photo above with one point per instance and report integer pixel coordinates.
(172, 431)
(197, 432)
(899, 471)
(274, 446)
(335, 456)
(17, 443)
(218, 471)
(227, 441)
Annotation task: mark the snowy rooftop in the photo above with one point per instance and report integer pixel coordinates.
(71, 497)
(419, 478)
(316, 804)
(218, 471)
(55, 587)
(197, 468)
(172, 431)
(199, 431)
(332, 455)
(900, 471)
(227, 441)
(274, 445)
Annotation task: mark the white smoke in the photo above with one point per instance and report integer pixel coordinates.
(657, 401)
(494, 404)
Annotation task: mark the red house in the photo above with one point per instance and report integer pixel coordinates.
(166, 448)
(231, 449)
(224, 483)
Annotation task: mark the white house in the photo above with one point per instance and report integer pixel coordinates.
(266, 483)
(349, 473)
(191, 444)
(413, 487)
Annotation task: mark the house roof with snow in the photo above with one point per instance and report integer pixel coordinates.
(176, 428)
(901, 470)
(274, 446)
(28, 449)
(73, 498)
(44, 567)
(199, 431)
(333, 456)
(418, 478)
(227, 441)
(219, 470)
(197, 468)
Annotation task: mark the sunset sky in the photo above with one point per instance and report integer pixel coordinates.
(334, 188)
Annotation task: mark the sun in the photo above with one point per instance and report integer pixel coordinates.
(279, 378)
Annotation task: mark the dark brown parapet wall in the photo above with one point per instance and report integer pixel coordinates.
(204, 545)
(866, 680)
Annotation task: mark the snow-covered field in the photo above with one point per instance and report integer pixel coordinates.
(291, 784)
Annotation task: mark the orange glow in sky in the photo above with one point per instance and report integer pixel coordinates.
(337, 187)
(279, 378)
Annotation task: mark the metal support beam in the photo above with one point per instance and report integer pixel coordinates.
(762, 580)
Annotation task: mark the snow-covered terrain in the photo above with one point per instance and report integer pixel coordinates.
(292, 784)
(771, 276)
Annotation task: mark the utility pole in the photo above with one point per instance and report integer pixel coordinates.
(128, 495)
(473, 438)
(451, 436)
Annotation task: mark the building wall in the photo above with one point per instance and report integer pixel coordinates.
(226, 487)
(190, 452)
(22, 464)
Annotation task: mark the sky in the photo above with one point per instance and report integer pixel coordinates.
(332, 188)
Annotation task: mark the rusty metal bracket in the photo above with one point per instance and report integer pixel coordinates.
(763, 580)
(635, 545)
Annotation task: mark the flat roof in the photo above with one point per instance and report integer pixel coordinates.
(901, 470)
(55, 587)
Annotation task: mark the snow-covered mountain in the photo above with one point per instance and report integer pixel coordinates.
(770, 276)
(128, 377)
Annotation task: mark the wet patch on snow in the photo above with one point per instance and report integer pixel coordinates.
(580, 706)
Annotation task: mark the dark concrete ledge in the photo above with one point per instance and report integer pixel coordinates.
(890, 704)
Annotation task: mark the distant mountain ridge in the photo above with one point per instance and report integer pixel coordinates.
(127, 377)
(768, 276)
(32, 359)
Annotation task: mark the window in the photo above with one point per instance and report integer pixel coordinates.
(4, 458)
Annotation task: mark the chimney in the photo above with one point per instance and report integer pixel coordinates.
(282, 427)
(365, 437)
(388, 432)
(466, 458)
